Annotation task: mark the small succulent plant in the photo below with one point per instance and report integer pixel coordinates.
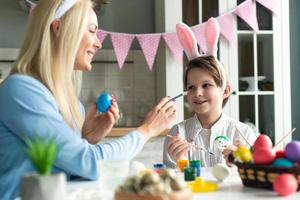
(42, 153)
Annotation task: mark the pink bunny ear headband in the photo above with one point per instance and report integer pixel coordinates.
(189, 43)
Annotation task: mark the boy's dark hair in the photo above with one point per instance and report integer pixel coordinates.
(209, 64)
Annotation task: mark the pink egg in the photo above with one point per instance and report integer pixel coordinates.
(263, 156)
(285, 184)
(262, 141)
(292, 151)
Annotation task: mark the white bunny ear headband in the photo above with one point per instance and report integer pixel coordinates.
(64, 6)
(189, 43)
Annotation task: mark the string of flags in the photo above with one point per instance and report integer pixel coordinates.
(149, 43)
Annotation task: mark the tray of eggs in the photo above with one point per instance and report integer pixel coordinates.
(262, 166)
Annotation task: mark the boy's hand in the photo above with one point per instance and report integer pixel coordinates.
(230, 149)
(178, 148)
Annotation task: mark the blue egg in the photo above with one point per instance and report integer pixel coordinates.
(282, 162)
(104, 102)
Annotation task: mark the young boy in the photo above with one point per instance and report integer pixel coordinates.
(207, 93)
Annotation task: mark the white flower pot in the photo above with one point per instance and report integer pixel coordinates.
(37, 187)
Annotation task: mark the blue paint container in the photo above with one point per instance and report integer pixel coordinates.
(195, 164)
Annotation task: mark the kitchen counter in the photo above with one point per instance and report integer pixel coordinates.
(232, 188)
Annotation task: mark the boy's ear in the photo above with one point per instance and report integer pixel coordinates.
(55, 27)
(227, 91)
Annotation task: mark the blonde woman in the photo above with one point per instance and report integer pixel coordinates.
(39, 99)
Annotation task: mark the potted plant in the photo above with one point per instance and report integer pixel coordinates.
(42, 185)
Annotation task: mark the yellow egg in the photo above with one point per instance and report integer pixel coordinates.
(242, 154)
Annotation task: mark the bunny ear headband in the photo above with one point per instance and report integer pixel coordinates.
(189, 43)
(64, 6)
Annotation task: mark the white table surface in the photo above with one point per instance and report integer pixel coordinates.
(231, 189)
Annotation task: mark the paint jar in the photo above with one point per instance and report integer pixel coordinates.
(158, 167)
(181, 164)
(189, 174)
(195, 164)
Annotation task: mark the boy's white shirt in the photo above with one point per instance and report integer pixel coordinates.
(192, 131)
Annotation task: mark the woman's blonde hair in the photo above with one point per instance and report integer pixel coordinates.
(51, 58)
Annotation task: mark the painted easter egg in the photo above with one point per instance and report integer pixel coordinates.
(292, 151)
(280, 154)
(285, 184)
(282, 162)
(242, 154)
(221, 142)
(263, 156)
(262, 141)
(220, 171)
(104, 102)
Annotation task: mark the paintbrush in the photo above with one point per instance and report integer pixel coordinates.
(240, 133)
(289, 133)
(196, 146)
(176, 97)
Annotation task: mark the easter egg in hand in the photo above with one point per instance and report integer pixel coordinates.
(285, 184)
(262, 141)
(221, 142)
(104, 102)
(263, 156)
(292, 151)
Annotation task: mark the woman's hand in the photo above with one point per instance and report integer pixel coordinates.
(97, 126)
(178, 148)
(230, 149)
(158, 119)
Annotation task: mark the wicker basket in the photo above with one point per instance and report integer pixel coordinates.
(262, 176)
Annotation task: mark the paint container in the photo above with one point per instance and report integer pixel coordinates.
(195, 164)
(158, 167)
(189, 174)
(181, 164)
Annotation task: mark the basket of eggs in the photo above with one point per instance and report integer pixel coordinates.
(263, 167)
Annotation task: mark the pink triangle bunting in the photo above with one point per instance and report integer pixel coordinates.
(226, 23)
(200, 35)
(247, 11)
(101, 35)
(174, 46)
(270, 4)
(121, 43)
(149, 44)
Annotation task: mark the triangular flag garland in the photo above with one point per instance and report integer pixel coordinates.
(121, 43)
(174, 46)
(247, 11)
(226, 21)
(150, 42)
(102, 35)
